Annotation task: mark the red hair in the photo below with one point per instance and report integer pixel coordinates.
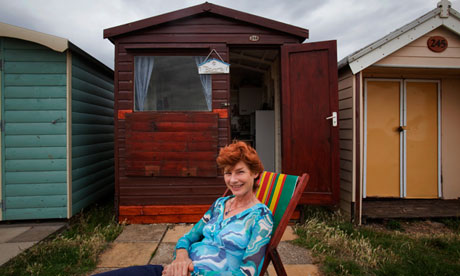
(238, 151)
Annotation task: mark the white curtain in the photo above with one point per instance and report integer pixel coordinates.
(142, 73)
(206, 83)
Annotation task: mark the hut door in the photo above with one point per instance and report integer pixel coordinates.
(383, 139)
(310, 142)
(421, 139)
(402, 133)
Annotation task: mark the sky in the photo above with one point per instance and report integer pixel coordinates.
(353, 23)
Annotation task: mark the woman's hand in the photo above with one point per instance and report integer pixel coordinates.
(181, 266)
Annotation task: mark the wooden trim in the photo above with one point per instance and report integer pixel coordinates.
(166, 46)
(378, 208)
(1, 133)
(357, 156)
(116, 195)
(162, 213)
(207, 8)
(69, 132)
(276, 75)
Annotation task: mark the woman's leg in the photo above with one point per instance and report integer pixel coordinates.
(143, 270)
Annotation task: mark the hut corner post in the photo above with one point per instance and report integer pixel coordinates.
(69, 132)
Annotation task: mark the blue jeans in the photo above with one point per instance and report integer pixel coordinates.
(143, 270)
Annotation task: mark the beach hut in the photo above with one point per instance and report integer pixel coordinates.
(399, 112)
(259, 84)
(56, 126)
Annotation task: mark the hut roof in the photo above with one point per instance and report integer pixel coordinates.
(206, 8)
(443, 15)
(55, 43)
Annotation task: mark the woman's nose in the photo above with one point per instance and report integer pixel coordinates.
(233, 178)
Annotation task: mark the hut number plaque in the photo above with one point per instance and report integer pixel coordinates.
(437, 44)
(254, 38)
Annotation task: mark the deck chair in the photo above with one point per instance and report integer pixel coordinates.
(281, 193)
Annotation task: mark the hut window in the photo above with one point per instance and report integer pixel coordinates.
(171, 83)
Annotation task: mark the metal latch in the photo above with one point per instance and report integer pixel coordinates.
(334, 118)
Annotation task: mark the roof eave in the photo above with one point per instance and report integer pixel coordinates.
(393, 35)
(301, 33)
(55, 43)
(397, 39)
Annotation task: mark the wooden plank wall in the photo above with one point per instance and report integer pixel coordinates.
(92, 134)
(346, 139)
(34, 150)
(196, 33)
(171, 144)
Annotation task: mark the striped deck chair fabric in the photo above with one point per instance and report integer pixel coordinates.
(275, 191)
(281, 193)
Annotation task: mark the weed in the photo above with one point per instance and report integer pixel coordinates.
(344, 249)
(72, 252)
(394, 225)
(452, 223)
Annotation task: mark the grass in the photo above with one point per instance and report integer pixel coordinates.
(344, 249)
(73, 251)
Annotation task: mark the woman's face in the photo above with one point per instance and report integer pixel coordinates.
(239, 179)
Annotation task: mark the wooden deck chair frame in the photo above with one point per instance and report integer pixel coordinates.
(272, 254)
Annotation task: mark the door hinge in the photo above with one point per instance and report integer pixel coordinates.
(1, 64)
(2, 125)
(3, 206)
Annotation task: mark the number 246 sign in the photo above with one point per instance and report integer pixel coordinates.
(437, 44)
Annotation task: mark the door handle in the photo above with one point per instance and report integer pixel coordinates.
(224, 104)
(334, 118)
(402, 128)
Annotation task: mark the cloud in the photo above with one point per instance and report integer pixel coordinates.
(354, 23)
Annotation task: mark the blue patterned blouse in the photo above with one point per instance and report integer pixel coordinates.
(231, 246)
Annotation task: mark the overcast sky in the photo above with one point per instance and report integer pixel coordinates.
(353, 23)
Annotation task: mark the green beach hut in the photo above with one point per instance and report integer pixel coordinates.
(56, 126)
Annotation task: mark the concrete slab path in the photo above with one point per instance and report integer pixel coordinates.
(17, 237)
(154, 244)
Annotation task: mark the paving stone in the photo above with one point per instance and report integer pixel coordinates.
(142, 233)
(122, 254)
(293, 254)
(8, 233)
(37, 233)
(164, 254)
(173, 234)
(289, 234)
(10, 250)
(296, 270)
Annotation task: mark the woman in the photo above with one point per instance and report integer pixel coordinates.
(233, 234)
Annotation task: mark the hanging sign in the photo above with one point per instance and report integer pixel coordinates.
(213, 66)
(437, 44)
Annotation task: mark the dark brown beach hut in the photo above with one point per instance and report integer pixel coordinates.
(170, 121)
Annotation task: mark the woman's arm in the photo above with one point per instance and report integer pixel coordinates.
(182, 264)
(255, 252)
(196, 233)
